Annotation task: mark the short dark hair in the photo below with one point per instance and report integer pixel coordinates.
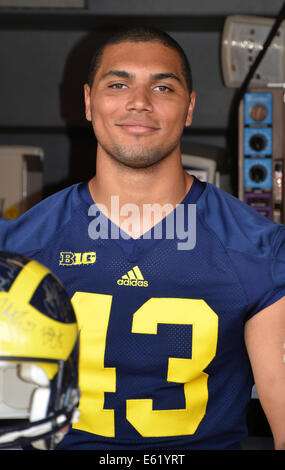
(141, 34)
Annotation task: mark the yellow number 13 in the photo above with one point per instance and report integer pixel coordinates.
(93, 312)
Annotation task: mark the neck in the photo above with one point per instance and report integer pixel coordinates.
(164, 184)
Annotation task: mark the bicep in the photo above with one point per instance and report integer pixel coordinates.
(265, 341)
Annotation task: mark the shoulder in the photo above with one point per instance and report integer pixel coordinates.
(254, 245)
(31, 231)
(238, 226)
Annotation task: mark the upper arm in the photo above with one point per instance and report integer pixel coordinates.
(265, 342)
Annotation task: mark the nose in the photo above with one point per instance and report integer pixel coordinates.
(139, 100)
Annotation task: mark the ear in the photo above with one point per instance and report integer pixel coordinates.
(87, 98)
(191, 107)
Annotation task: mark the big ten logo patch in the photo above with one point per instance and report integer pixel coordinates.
(68, 258)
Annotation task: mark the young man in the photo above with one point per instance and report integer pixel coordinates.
(176, 306)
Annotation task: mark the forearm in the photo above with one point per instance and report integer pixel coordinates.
(265, 338)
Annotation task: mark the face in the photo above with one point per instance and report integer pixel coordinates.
(139, 103)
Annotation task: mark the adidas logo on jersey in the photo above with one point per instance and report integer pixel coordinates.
(133, 278)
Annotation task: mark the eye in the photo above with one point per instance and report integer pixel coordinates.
(163, 89)
(117, 86)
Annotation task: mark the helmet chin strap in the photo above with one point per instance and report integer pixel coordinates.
(52, 441)
(37, 429)
(47, 427)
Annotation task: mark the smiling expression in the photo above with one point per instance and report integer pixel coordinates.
(139, 103)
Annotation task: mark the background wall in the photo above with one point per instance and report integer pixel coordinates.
(44, 57)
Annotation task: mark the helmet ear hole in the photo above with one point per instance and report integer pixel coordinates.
(33, 374)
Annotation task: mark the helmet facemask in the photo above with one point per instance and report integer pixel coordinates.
(34, 409)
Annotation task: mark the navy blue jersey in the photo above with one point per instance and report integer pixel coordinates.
(163, 364)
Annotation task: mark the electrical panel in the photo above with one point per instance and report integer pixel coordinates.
(261, 151)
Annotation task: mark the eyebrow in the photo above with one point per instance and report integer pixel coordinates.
(153, 76)
(162, 76)
(118, 73)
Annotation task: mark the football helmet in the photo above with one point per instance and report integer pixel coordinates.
(39, 391)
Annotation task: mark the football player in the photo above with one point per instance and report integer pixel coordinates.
(178, 287)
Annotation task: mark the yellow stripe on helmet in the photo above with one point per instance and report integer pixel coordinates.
(29, 332)
(28, 280)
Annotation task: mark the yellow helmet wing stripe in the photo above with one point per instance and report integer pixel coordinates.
(27, 332)
(18, 323)
(28, 280)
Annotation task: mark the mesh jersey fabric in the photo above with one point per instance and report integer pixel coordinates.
(163, 361)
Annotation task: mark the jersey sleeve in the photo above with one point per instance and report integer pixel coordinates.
(30, 233)
(261, 276)
(20, 235)
(255, 247)
(278, 261)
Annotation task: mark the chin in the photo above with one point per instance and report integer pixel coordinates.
(137, 159)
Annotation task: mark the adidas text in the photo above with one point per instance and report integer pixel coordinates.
(132, 282)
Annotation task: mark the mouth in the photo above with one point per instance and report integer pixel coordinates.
(133, 127)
